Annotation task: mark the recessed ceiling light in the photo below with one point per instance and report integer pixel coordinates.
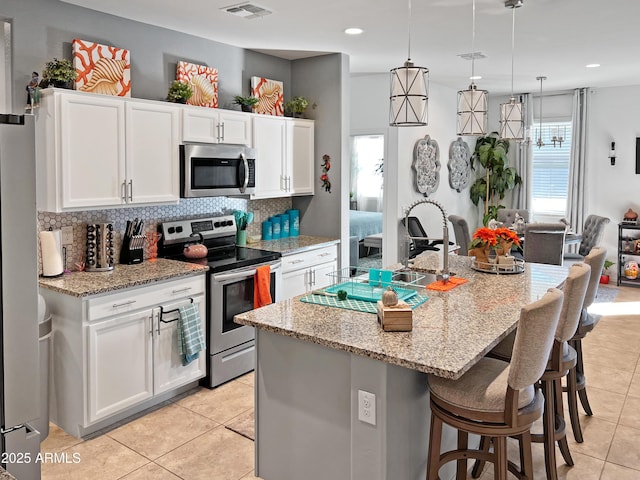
(353, 31)
(475, 77)
(593, 65)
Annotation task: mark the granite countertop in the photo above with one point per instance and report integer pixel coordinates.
(451, 331)
(4, 475)
(81, 284)
(291, 245)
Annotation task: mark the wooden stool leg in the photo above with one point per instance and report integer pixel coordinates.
(461, 465)
(526, 458)
(548, 422)
(478, 465)
(572, 400)
(582, 392)
(435, 440)
(559, 414)
(500, 467)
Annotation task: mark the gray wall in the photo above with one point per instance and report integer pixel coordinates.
(43, 29)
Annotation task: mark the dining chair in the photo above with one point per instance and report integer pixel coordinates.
(508, 215)
(576, 380)
(461, 232)
(544, 243)
(592, 234)
(562, 360)
(495, 398)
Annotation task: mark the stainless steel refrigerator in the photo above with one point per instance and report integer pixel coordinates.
(19, 357)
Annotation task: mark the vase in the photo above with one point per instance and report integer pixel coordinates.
(241, 237)
(246, 108)
(503, 248)
(482, 256)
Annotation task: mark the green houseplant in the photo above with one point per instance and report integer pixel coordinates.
(497, 177)
(604, 276)
(58, 73)
(179, 92)
(296, 106)
(246, 103)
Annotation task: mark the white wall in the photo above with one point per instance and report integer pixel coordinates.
(369, 113)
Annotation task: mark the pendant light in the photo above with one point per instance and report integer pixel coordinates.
(472, 103)
(540, 143)
(512, 113)
(409, 92)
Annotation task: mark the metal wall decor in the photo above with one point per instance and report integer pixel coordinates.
(426, 164)
(459, 164)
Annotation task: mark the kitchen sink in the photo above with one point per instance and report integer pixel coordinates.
(413, 277)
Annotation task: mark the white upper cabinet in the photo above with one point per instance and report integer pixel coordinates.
(210, 125)
(300, 155)
(96, 151)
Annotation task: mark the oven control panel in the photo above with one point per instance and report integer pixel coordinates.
(181, 231)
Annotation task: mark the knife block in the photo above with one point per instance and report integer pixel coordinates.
(132, 250)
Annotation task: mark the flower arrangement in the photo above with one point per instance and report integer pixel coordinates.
(484, 237)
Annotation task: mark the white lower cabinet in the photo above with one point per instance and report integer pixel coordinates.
(117, 354)
(308, 270)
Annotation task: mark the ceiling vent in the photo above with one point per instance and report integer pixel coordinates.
(248, 11)
(472, 55)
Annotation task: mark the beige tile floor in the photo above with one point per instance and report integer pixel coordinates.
(187, 439)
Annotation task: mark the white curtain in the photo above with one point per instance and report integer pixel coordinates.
(576, 208)
(523, 157)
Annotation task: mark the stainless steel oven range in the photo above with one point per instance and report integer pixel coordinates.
(230, 284)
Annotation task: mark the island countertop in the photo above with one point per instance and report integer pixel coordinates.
(81, 284)
(451, 331)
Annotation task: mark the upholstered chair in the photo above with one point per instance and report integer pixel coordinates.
(495, 398)
(461, 231)
(544, 243)
(563, 359)
(576, 381)
(508, 215)
(592, 233)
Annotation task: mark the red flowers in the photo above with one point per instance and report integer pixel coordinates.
(507, 235)
(491, 237)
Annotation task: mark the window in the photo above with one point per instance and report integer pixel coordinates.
(367, 168)
(550, 172)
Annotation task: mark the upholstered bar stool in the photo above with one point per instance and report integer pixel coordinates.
(561, 361)
(576, 381)
(497, 399)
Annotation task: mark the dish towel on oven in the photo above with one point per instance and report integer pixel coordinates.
(262, 287)
(190, 334)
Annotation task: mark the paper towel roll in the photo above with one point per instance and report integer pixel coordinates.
(50, 242)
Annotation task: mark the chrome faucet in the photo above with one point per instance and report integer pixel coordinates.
(444, 276)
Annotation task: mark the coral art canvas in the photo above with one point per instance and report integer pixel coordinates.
(203, 81)
(101, 68)
(270, 96)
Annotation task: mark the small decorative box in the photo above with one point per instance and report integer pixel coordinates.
(395, 318)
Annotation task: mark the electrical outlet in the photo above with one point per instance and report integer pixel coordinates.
(67, 235)
(367, 407)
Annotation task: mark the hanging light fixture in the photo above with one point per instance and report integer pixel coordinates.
(512, 113)
(409, 92)
(472, 103)
(540, 143)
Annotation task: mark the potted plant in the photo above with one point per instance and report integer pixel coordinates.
(296, 106)
(604, 277)
(58, 73)
(246, 103)
(498, 177)
(179, 92)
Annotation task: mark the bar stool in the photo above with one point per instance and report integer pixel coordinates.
(496, 399)
(576, 381)
(562, 360)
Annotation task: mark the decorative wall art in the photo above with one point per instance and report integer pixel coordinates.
(324, 178)
(101, 68)
(203, 81)
(270, 95)
(459, 164)
(426, 164)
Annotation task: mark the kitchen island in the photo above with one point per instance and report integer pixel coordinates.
(313, 360)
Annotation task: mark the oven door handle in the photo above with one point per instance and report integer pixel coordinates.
(223, 277)
(246, 173)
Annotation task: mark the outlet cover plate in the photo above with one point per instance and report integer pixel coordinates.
(367, 407)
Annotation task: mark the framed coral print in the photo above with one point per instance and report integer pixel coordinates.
(101, 68)
(203, 81)
(270, 96)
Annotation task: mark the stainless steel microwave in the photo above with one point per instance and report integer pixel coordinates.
(216, 170)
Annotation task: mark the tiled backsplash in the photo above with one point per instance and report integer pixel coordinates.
(152, 216)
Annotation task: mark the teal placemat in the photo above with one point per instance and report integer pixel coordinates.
(355, 304)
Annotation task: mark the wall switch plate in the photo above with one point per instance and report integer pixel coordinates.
(367, 407)
(67, 235)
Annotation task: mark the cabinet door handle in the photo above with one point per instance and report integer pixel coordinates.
(124, 191)
(325, 254)
(131, 190)
(125, 304)
(288, 184)
(222, 131)
(293, 262)
(314, 276)
(180, 290)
